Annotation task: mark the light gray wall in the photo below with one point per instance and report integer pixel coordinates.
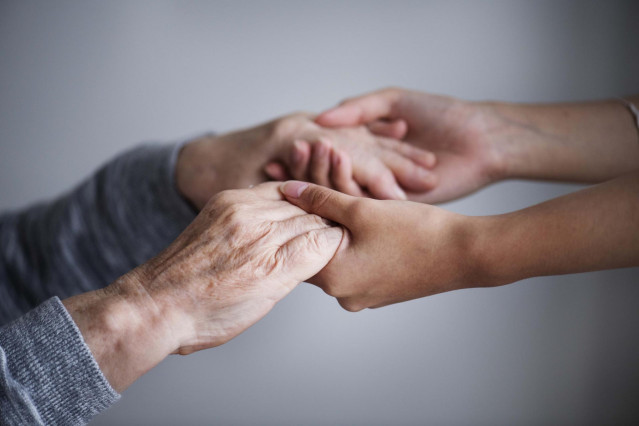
(81, 81)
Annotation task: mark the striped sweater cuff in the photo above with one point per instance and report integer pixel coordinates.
(51, 370)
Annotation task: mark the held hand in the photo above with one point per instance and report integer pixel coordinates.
(243, 253)
(457, 132)
(393, 251)
(210, 164)
(381, 166)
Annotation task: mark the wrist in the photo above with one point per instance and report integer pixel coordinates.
(195, 174)
(485, 130)
(126, 331)
(497, 134)
(494, 257)
(283, 131)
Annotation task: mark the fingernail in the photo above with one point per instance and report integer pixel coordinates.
(293, 188)
(400, 193)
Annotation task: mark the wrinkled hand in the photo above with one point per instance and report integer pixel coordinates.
(210, 164)
(393, 251)
(356, 162)
(457, 132)
(244, 252)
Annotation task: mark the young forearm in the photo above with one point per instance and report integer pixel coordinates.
(593, 229)
(582, 142)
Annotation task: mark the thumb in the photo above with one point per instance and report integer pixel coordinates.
(361, 110)
(318, 200)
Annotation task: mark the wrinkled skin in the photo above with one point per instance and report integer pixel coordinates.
(243, 253)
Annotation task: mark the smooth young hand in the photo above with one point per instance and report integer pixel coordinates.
(393, 251)
(457, 132)
(477, 143)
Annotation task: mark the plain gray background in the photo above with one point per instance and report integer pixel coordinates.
(82, 81)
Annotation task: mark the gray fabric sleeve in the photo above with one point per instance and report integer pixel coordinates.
(117, 219)
(47, 373)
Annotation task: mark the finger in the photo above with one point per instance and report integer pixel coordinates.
(287, 229)
(361, 110)
(262, 202)
(276, 171)
(409, 175)
(420, 156)
(342, 174)
(320, 165)
(266, 190)
(307, 254)
(299, 159)
(395, 129)
(379, 181)
(319, 200)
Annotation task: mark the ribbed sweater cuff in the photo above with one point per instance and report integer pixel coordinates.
(48, 358)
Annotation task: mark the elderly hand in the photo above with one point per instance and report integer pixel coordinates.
(244, 252)
(356, 162)
(393, 250)
(457, 132)
(211, 164)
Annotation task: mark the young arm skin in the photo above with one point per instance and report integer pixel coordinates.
(588, 230)
(397, 250)
(582, 142)
(477, 143)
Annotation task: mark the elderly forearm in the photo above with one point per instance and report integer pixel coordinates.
(127, 332)
(121, 216)
(593, 229)
(583, 142)
(47, 372)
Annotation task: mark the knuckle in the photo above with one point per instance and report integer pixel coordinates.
(224, 198)
(235, 212)
(292, 124)
(315, 221)
(315, 241)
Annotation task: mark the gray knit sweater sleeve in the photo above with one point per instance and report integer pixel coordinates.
(117, 219)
